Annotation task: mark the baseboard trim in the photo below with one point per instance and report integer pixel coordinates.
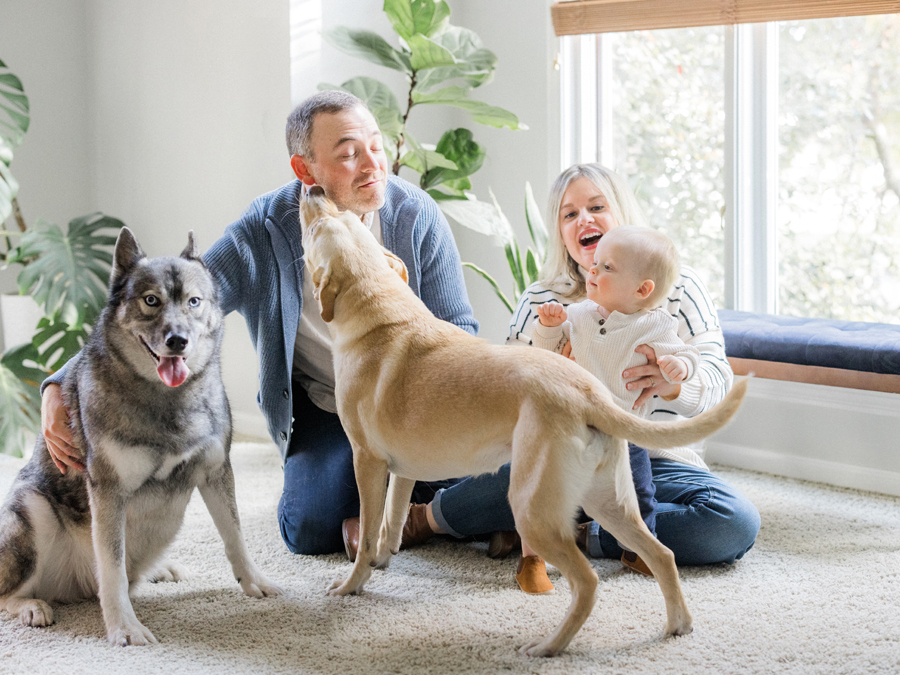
(252, 425)
(804, 468)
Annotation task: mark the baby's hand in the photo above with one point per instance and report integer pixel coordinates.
(672, 367)
(551, 314)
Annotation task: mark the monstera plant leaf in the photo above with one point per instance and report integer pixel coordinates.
(67, 273)
(20, 411)
(15, 116)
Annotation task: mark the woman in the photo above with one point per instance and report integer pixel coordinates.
(699, 516)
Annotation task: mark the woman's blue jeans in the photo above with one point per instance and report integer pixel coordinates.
(320, 484)
(699, 516)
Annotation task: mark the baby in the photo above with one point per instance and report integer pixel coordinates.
(633, 270)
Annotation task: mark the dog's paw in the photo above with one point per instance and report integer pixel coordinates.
(343, 587)
(167, 571)
(538, 648)
(36, 613)
(134, 634)
(685, 628)
(259, 587)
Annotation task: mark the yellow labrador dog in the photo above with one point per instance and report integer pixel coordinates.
(424, 400)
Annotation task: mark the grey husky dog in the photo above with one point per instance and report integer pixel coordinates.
(149, 410)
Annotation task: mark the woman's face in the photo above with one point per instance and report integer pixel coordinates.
(584, 217)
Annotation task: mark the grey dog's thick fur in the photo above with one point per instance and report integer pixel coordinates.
(146, 447)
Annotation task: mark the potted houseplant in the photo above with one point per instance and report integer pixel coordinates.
(64, 273)
(442, 63)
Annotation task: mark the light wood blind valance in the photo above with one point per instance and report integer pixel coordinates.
(608, 16)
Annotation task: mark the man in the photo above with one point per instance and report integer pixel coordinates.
(335, 143)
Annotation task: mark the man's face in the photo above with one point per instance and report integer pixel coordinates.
(348, 160)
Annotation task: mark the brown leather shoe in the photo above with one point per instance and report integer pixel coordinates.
(581, 537)
(501, 544)
(415, 531)
(531, 574)
(633, 561)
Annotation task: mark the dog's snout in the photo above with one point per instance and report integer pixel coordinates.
(176, 342)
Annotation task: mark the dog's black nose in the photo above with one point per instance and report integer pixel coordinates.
(176, 342)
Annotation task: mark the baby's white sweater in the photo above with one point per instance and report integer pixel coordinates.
(605, 347)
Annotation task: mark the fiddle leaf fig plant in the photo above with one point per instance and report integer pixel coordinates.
(443, 64)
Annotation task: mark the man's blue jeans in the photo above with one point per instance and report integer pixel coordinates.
(699, 516)
(319, 483)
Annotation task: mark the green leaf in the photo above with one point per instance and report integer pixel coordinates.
(18, 412)
(15, 115)
(479, 216)
(458, 146)
(24, 362)
(536, 227)
(57, 341)
(409, 17)
(421, 160)
(531, 266)
(439, 195)
(492, 282)
(9, 188)
(380, 100)
(427, 53)
(480, 112)
(474, 64)
(370, 46)
(71, 272)
(514, 258)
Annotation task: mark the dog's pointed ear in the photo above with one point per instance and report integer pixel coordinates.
(190, 251)
(127, 254)
(326, 291)
(396, 264)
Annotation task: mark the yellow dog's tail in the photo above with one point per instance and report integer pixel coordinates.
(609, 418)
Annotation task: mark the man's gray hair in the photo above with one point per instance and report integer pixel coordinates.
(298, 132)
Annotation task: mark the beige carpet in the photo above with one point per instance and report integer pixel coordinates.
(820, 593)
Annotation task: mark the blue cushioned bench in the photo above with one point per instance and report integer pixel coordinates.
(820, 351)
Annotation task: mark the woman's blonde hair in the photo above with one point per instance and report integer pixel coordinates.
(560, 272)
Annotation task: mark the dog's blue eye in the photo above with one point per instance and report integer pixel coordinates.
(151, 300)
(194, 302)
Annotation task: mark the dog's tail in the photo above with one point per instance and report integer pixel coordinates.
(619, 423)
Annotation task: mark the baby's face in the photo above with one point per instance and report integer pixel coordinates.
(611, 281)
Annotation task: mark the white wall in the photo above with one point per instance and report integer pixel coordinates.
(45, 44)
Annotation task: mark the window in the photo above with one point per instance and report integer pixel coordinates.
(770, 153)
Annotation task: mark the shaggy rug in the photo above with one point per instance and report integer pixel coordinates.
(819, 593)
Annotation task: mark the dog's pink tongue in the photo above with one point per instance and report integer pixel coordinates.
(172, 370)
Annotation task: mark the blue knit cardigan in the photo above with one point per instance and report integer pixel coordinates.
(259, 265)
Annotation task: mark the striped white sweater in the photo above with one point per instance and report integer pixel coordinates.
(698, 326)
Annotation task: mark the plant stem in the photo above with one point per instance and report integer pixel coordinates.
(409, 105)
(17, 212)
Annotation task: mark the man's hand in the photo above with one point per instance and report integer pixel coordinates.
(649, 378)
(56, 430)
(674, 368)
(551, 314)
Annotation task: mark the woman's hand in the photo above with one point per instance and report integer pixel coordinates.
(649, 378)
(57, 433)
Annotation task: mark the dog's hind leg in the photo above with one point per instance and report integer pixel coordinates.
(395, 513)
(546, 481)
(18, 564)
(618, 514)
(371, 479)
